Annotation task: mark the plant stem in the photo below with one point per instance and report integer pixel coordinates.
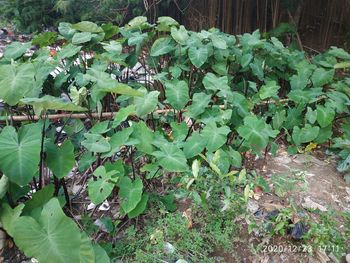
(66, 195)
(132, 163)
(153, 123)
(64, 125)
(57, 185)
(41, 164)
(35, 184)
(189, 130)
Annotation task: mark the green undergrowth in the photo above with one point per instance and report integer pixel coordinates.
(169, 237)
(182, 126)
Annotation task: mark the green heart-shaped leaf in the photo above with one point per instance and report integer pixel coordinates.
(146, 104)
(305, 134)
(46, 238)
(325, 115)
(96, 143)
(15, 82)
(102, 187)
(177, 93)
(60, 159)
(130, 193)
(180, 35)
(198, 55)
(171, 158)
(162, 46)
(215, 137)
(20, 152)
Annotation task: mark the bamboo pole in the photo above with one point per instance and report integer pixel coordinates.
(103, 115)
(108, 115)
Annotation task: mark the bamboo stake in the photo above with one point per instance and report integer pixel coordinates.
(106, 115)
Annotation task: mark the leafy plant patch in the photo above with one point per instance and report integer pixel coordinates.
(179, 126)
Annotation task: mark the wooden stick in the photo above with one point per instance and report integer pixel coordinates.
(108, 115)
(104, 115)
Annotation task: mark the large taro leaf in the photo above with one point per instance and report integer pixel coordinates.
(214, 83)
(180, 35)
(4, 184)
(8, 216)
(146, 104)
(240, 103)
(39, 199)
(140, 208)
(321, 77)
(199, 103)
(344, 166)
(42, 71)
(177, 93)
(325, 115)
(80, 38)
(112, 86)
(279, 118)
(96, 143)
(138, 22)
(311, 115)
(299, 81)
(16, 50)
(194, 145)
(171, 158)
(15, 82)
(123, 114)
(257, 68)
(114, 48)
(103, 83)
(178, 131)
(117, 140)
(165, 22)
(136, 39)
(20, 152)
(218, 41)
(66, 30)
(100, 128)
(324, 134)
(234, 157)
(245, 60)
(52, 238)
(305, 134)
(144, 137)
(198, 55)
(256, 132)
(130, 193)
(162, 46)
(215, 137)
(102, 187)
(87, 253)
(61, 159)
(100, 255)
(87, 26)
(270, 89)
(51, 103)
(68, 51)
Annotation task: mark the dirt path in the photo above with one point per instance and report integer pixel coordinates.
(307, 182)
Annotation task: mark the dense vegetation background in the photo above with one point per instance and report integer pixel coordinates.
(320, 23)
(138, 138)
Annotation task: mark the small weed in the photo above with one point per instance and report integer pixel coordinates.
(170, 238)
(325, 234)
(284, 184)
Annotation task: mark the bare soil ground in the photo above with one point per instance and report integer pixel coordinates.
(317, 184)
